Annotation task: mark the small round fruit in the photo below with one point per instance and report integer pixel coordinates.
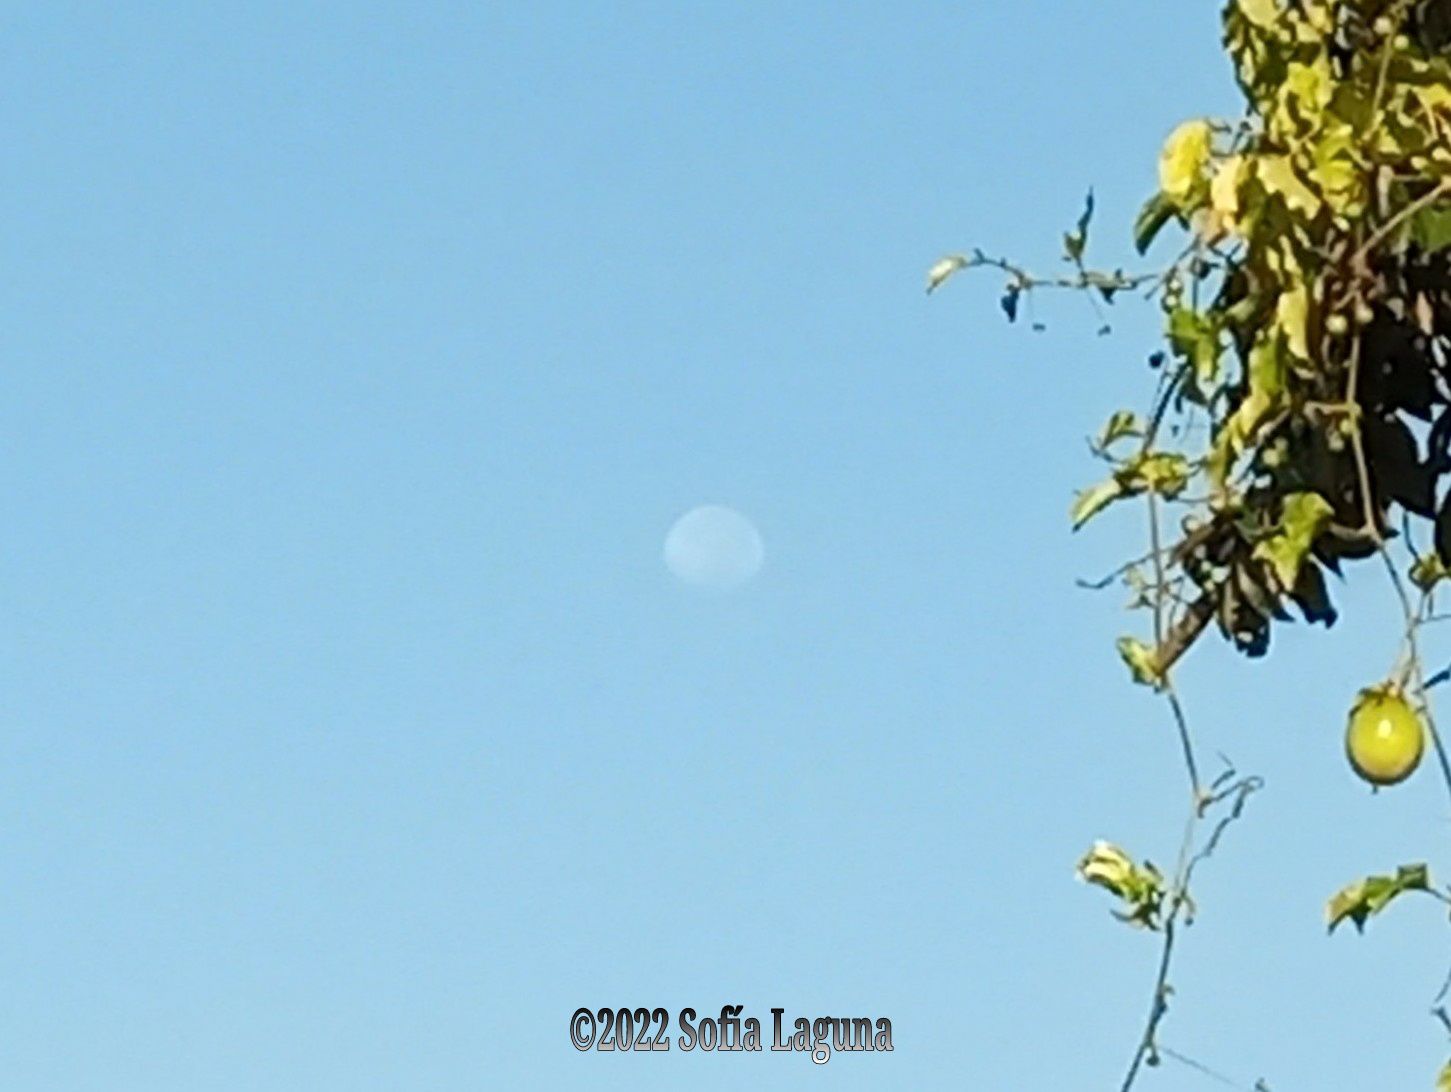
(1385, 739)
(1337, 325)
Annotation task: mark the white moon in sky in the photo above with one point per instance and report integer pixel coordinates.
(714, 547)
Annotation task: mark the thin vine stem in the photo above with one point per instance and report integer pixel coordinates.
(1180, 905)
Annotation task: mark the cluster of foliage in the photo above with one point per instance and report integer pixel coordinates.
(1308, 324)
(1302, 414)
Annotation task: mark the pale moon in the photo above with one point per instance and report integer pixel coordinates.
(714, 547)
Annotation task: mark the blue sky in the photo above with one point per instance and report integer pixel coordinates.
(358, 359)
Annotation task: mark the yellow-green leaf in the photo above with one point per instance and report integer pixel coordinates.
(1266, 372)
(1224, 189)
(1428, 570)
(1264, 14)
(1093, 500)
(1278, 177)
(1194, 335)
(1303, 517)
(1310, 84)
(1367, 897)
(1182, 162)
(1336, 171)
(1266, 391)
(1165, 473)
(1143, 665)
(1139, 887)
(1121, 425)
(1292, 313)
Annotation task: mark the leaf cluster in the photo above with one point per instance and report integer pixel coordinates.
(1305, 390)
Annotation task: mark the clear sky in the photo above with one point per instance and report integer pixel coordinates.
(358, 358)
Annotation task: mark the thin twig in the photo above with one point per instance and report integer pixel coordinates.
(1118, 573)
(1384, 231)
(1180, 902)
(1201, 1068)
(1187, 745)
(1157, 1007)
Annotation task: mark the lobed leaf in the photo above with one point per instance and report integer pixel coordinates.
(1304, 516)
(1139, 887)
(1367, 897)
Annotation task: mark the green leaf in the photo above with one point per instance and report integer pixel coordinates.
(1369, 896)
(1195, 337)
(1267, 372)
(1303, 516)
(1266, 391)
(1443, 1081)
(1186, 326)
(1431, 228)
(1139, 887)
(1075, 240)
(1121, 425)
(1165, 473)
(1336, 170)
(1141, 661)
(1094, 500)
(1156, 212)
(1428, 571)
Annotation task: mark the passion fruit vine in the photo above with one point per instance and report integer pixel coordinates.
(1385, 739)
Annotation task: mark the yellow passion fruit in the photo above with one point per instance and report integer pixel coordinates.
(1385, 739)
